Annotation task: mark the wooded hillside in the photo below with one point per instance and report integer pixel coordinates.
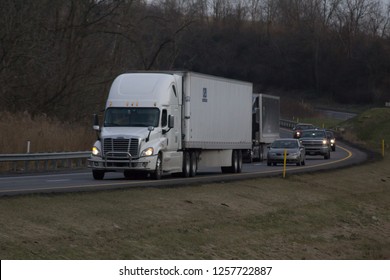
(59, 57)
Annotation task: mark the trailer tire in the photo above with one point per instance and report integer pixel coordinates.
(186, 165)
(235, 160)
(239, 166)
(235, 165)
(98, 174)
(193, 164)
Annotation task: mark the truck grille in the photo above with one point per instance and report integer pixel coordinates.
(120, 148)
(312, 143)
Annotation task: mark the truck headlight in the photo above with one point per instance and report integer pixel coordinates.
(95, 151)
(324, 141)
(147, 152)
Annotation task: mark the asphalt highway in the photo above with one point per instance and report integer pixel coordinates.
(73, 181)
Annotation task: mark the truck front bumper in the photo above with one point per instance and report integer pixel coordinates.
(140, 164)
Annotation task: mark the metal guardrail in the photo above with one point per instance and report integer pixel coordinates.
(45, 161)
(287, 123)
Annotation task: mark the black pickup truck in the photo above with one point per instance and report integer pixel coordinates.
(316, 142)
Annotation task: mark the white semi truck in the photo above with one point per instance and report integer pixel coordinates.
(265, 125)
(173, 122)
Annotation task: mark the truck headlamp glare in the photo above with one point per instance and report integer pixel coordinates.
(147, 152)
(95, 151)
(324, 142)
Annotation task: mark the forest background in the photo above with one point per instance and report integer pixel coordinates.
(58, 58)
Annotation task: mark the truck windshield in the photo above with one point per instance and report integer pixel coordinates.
(128, 117)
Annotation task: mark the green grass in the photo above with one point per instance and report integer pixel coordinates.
(371, 127)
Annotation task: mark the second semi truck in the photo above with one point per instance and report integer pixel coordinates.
(265, 125)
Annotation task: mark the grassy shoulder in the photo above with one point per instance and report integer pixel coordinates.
(340, 214)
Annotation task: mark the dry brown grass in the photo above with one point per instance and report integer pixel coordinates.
(45, 134)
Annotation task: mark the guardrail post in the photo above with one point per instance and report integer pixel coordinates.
(28, 146)
(284, 163)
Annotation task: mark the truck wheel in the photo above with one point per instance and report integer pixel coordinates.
(98, 174)
(327, 155)
(193, 164)
(186, 165)
(159, 168)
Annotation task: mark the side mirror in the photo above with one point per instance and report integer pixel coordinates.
(96, 122)
(171, 121)
(150, 128)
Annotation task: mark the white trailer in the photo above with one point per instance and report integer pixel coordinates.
(265, 124)
(173, 122)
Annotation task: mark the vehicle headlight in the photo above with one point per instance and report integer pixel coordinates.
(294, 154)
(332, 141)
(324, 141)
(147, 152)
(95, 151)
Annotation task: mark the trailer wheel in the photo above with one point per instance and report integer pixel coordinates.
(193, 164)
(235, 165)
(98, 174)
(239, 165)
(235, 160)
(186, 164)
(157, 174)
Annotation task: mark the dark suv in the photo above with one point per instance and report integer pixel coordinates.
(316, 142)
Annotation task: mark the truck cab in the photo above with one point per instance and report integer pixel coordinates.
(141, 123)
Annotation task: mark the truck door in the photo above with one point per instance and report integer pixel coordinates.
(173, 158)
